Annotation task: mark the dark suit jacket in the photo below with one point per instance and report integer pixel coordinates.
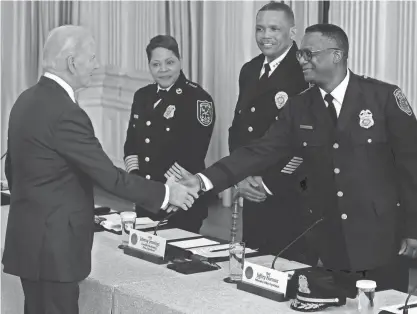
(377, 177)
(55, 159)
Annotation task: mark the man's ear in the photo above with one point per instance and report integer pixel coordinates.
(293, 32)
(338, 56)
(71, 64)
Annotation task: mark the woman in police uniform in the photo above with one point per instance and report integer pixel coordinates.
(171, 122)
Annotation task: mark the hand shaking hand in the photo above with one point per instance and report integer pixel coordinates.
(252, 189)
(183, 189)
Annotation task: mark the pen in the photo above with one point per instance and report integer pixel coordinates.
(219, 250)
(409, 306)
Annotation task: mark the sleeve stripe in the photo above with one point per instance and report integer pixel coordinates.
(131, 163)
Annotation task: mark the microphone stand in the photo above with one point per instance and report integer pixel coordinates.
(235, 216)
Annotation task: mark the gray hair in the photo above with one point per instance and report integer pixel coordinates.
(62, 42)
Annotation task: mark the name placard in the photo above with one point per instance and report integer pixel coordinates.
(265, 278)
(147, 243)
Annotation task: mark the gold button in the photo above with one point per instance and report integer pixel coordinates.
(147, 159)
(148, 123)
(344, 216)
(167, 129)
(340, 193)
(336, 170)
(305, 144)
(398, 204)
(252, 109)
(335, 145)
(250, 129)
(276, 118)
(147, 140)
(369, 140)
(148, 176)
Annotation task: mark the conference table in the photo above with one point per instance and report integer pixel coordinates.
(120, 283)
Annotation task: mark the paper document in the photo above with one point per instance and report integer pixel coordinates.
(221, 250)
(114, 222)
(5, 192)
(394, 308)
(193, 243)
(175, 233)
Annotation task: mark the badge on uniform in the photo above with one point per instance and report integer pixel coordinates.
(169, 112)
(205, 112)
(365, 119)
(280, 99)
(402, 102)
(179, 91)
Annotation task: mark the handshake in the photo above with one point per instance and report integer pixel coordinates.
(183, 188)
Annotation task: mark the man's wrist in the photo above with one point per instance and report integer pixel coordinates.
(201, 182)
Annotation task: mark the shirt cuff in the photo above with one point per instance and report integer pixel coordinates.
(207, 183)
(166, 199)
(266, 188)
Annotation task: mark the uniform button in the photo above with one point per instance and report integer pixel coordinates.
(240, 111)
(336, 170)
(167, 129)
(148, 123)
(148, 176)
(305, 144)
(276, 118)
(147, 140)
(310, 211)
(369, 140)
(398, 204)
(340, 193)
(147, 159)
(250, 129)
(335, 145)
(344, 216)
(252, 109)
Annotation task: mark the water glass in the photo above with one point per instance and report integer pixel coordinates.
(128, 220)
(366, 296)
(236, 260)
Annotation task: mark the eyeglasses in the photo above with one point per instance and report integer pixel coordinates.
(307, 54)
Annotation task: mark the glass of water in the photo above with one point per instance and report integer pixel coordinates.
(128, 220)
(236, 260)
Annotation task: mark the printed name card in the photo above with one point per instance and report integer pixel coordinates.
(265, 278)
(147, 243)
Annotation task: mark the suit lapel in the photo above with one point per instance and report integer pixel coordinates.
(253, 85)
(352, 102)
(319, 109)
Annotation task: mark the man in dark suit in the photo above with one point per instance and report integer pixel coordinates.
(358, 139)
(265, 83)
(53, 161)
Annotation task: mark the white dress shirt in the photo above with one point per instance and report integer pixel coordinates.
(70, 92)
(338, 94)
(160, 88)
(273, 64)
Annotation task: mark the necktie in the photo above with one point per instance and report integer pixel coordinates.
(162, 93)
(265, 76)
(330, 108)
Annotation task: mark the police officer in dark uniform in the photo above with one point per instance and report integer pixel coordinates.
(171, 122)
(358, 139)
(265, 83)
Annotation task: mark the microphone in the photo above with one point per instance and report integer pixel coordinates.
(295, 240)
(406, 306)
(161, 221)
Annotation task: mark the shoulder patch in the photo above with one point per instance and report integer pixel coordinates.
(205, 112)
(402, 102)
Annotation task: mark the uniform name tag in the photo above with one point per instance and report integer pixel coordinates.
(265, 278)
(147, 243)
(306, 127)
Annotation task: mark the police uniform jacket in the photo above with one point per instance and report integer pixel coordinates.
(52, 164)
(178, 130)
(361, 174)
(258, 105)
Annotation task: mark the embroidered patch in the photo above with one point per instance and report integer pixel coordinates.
(280, 99)
(169, 112)
(402, 102)
(204, 112)
(303, 284)
(365, 119)
(179, 91)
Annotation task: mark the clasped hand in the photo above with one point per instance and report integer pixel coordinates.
(252, 189)
(183, 188)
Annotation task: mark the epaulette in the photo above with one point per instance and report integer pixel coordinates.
(191, 84)
(311, 85)
(373, 80)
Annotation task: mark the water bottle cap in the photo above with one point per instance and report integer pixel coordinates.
(366, 284)
(128, 215)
